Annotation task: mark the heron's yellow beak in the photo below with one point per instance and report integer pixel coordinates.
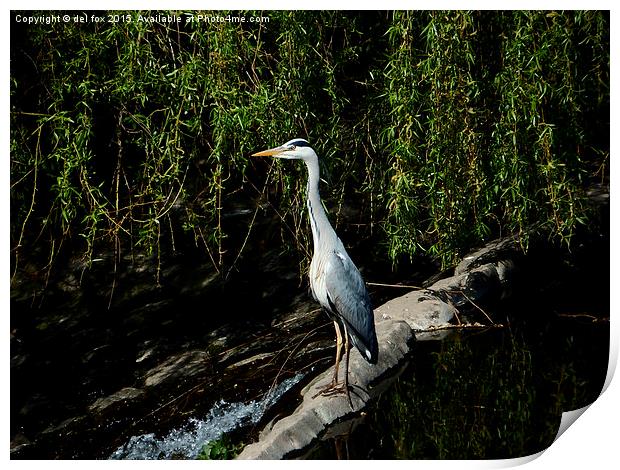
(270, 152)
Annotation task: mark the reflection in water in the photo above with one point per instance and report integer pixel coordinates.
(496, 394)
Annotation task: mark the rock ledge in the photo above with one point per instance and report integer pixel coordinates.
(423, 315)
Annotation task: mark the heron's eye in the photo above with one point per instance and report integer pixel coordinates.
(291, 147)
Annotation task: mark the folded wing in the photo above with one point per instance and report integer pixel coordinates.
(349, 300)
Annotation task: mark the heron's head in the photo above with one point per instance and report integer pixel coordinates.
(295, 149)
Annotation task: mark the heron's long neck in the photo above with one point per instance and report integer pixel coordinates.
(321, 228)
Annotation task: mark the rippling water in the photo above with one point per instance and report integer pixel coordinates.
(188, 440)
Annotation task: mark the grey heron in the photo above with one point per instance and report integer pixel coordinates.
(335, 282)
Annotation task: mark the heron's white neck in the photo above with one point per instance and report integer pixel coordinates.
(321, 228)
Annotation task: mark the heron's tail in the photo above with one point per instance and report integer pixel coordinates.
(367, 346)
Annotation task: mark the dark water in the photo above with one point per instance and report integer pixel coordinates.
(496, 394)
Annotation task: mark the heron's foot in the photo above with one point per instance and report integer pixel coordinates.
(332, 388)
(335, 388)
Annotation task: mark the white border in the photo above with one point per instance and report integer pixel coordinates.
(591, 442)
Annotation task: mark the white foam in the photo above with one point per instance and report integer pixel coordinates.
(187, 440)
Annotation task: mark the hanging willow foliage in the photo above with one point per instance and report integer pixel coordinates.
(489, 128)
(444, 128)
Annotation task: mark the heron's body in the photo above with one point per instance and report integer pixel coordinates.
(335, 281)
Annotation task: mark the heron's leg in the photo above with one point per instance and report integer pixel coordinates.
(334, 387)
(338, 350)
(347, 351)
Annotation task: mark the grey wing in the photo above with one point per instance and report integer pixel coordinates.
(349, 300)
